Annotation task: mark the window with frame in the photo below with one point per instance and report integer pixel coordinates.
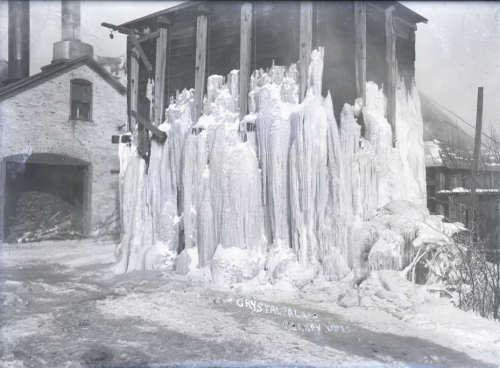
(81, 100)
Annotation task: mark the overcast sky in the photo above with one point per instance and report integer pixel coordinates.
(457, 51)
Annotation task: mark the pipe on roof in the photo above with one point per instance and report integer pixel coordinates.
(19, 40)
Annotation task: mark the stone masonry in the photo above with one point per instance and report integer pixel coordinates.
(37, 120)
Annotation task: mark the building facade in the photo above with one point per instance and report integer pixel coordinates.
(65, 116)
(56, 126)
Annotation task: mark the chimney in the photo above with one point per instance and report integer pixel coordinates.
(19, 40)
(71, 47)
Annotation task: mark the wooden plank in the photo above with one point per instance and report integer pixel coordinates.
(143, 56)
(305, 45)
(477, 147)
(121, 29)
(147, 124)
(160, 72)
(149, 36)
(182, 51)
(201, 62)
(391, 76)
(134, 85)
(3, 195)
(245, 56)
(360, 47)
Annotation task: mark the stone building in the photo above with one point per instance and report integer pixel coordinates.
(56, 128)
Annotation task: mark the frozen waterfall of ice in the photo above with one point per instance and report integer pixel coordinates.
(286, 184)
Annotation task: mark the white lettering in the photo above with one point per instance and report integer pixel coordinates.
(259, 307)
(315, 327)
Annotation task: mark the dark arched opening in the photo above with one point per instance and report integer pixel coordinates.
(41, 190)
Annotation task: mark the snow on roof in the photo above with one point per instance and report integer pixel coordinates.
(458, 157)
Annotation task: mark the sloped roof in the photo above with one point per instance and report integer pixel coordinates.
(438, 124)
(448, 144)
(57, 70)
(459, 157)
(177, 9)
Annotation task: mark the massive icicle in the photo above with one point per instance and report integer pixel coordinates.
(285, 182)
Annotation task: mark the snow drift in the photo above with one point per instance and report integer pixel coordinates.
(287, 188)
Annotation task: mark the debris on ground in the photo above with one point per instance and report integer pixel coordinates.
(42, 216)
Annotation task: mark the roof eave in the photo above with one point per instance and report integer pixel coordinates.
(36, 79)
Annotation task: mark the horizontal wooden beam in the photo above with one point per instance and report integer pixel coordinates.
(149, 36)
(162, 136)
(121, 29)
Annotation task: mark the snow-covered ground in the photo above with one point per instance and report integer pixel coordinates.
(63, 307)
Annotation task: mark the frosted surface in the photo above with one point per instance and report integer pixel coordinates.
(286, 181)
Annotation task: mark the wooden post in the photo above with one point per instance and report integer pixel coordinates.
(134, 84)
(3, 195)
(477, 147)
(305, 45)
(160, 69)
(201, 59)
(360, 48)
(245, 56)
(391, 78)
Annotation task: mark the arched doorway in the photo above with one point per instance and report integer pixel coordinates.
(44, 174)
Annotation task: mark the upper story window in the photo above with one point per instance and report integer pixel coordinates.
(81, 100)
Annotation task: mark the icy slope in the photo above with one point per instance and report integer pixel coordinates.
(287, 178)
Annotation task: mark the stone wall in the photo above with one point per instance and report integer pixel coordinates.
(37, 120)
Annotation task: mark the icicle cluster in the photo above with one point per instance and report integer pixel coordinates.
(285, 180)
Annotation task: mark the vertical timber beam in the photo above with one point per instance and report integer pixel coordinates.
(391, 77)
(306, 10)
(201, 59)
(360, 53)
(245, 56)
(3, 195)
(160, 69)
(477, 149)
(134, 84)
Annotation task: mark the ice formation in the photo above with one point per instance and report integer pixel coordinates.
(286, 185)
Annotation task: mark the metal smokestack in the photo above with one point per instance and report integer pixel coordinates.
(19, 40)
(71, 47)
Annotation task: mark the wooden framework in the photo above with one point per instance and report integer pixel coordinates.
(245, 56)
(134, 84)
(360, 49)
(392, 73)
(201, 60)
(161, 69)
(306, 10)
(363, 40)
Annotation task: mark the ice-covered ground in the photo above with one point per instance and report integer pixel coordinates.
(61, 307)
